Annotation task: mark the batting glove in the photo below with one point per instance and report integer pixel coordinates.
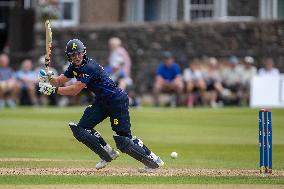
(45, 77)
(47, 89)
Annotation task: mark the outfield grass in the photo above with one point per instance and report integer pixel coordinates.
(25, 180)
(204, 138)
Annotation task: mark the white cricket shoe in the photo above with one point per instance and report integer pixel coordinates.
(101, 164)
(160, 162)
(112, 153)
(146, 169)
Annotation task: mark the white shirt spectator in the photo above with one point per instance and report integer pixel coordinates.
(189, 75)
(271, 72)
(268, 69)
(231, 76)
(248, 70)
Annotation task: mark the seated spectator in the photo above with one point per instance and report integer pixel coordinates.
(213, 82)
(118, 75)
(117, 52)
(231, 80)
(194, 83)
(9, 87)
(120, 69)
(248, 71)
(269, 69)
(168, 79)
(28, 82)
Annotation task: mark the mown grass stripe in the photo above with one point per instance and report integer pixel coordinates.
(36, 180)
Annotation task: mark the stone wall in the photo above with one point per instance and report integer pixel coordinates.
(145, 43)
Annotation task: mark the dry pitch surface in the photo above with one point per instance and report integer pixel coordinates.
(119, 171)
(128, 171)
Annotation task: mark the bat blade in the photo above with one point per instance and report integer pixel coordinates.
(48, 43)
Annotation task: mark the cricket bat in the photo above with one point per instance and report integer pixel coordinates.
(48, 44)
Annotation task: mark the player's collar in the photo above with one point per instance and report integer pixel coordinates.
(84, 61)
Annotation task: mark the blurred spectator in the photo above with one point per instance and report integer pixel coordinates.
(28, 82)
(269, 69)
(231, 80)
(248, 71)
(117, 52)
(118, 75)
(9, 87)
(43, 99)
(194, 83)
(168, 79)
(213, 82)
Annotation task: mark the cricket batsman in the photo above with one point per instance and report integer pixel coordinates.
(109, 101)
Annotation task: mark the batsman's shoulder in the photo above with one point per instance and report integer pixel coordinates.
(91, 61)
(93, 65)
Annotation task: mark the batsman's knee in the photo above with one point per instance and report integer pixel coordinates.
(122, 143)
(77, 131)
(137, 141)
(90, 139)
(80, 132)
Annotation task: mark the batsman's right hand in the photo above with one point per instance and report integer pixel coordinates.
(47, 89)
(45, 77)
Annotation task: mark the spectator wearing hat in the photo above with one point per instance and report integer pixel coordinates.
(231, 80)
(168, 79)
(249, 70)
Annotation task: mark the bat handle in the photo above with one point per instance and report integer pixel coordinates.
(47, 61)
(46, 68)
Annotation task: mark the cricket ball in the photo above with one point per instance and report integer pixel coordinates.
(174, 155)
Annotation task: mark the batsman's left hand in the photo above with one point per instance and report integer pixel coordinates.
(47, 89)
(44, 76)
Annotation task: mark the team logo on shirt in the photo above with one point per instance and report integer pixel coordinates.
(75, 73)
(84, 75)
(115, 121)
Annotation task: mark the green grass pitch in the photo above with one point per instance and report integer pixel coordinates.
(204, 138)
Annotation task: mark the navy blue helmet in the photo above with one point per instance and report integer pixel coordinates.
(74, 46)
